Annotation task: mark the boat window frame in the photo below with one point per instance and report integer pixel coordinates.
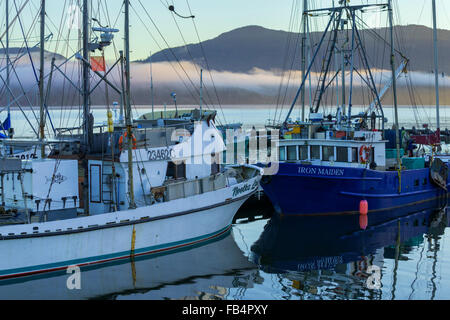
(356, 159)
(337, 154)
(305, 147)
(320, 152)
(295, 153)
(325, 147)
(281, 154)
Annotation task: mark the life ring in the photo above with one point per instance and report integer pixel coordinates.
(364, 154)
(133, 138)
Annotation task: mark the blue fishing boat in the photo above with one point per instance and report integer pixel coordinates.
(344, 163)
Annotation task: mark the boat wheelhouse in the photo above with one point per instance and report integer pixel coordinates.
(319, 144)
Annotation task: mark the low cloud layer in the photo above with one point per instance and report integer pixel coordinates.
(257, 86)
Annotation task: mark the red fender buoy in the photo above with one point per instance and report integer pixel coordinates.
(363, 207)
(363, 211)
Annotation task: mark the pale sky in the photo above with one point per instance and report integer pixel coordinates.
(213, 17)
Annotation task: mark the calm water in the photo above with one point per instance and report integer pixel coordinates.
(247, 115)
(288, 259)
(276, 260)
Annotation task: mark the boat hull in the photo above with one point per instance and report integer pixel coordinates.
(194, 270)
(299, 189)
(45, 247)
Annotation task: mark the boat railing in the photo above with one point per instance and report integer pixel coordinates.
(187, 188)
(176, 189)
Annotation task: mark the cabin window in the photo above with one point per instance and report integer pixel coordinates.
(292, 153)
(315, 152)
(416, 183)
(342, 154)
(355, 155)
(303, 152)
(328, 153)
(282, 154)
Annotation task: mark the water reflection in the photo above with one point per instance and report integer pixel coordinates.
(332, 258)
(205, 272)
(288, 258)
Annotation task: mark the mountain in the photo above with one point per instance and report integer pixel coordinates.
(13, 51)
(244, 49)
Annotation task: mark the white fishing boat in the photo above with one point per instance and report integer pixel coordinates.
(134, 189)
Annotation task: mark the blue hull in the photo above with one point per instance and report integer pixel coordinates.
(306, 190)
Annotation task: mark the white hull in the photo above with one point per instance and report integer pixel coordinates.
(50, 246)
(181, 275)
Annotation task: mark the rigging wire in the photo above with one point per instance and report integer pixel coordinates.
(188, 51)
(291, 70)
(286, 52)
(195, 89)
(207, 63)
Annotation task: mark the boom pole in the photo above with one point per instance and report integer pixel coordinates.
(41, 81)
(128, 122)
(8, 94)
(436, 66)
(86, 109)
(394, 89)
(305, 17)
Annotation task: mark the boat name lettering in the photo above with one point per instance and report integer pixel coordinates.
(322, 171)
(247, 187)
(26, 156)
(322, 263)
(160, 154)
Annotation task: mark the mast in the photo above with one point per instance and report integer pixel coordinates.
(122, 83)
(86, 111)
(86, 73)
(8, 94)
(201, 91)
(352, 67)
(305, 17)
(132, 204)
(436, 67)
(394, 89)
(41, 80)
(151, 87)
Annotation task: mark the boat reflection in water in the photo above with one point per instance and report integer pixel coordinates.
(333, 258)
(203, 272)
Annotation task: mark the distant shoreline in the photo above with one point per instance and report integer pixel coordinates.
(217, 107)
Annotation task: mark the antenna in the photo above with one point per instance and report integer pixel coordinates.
(106, 36)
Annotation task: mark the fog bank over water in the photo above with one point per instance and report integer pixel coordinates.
(220, 87)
